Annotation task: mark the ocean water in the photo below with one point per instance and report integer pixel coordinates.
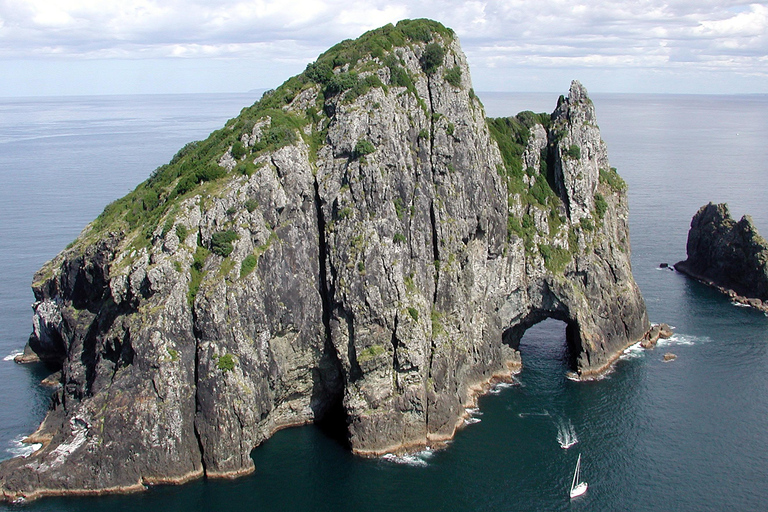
(687, 435)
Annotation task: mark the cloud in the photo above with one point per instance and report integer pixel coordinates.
(645, 34)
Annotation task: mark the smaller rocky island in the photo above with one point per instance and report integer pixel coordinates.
(728, 255)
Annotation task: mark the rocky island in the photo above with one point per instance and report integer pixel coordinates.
(362, 247)
(728, 255)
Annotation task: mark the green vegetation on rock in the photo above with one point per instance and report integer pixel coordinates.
(181, 232)
(248, 264)
(221, 242)
(362, 148)
(432, 58)
(370, 353)
(437, 323)
(196, 272)
(533, 188)
(344, 72)
(238, 150)
(225, 363)
(555, 258)
(251, 205)
(453, 76)
(613, 180)
(601, 206)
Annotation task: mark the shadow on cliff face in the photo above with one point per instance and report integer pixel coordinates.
(328, 399)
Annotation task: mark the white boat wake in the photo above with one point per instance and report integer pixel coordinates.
(530, 414)
(566, 434)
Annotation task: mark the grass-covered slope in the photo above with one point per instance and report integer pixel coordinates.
(197, 166)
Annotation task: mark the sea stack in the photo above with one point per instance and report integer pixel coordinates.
(728, 255)
(362, 246)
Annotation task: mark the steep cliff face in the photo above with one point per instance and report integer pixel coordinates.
(361, 246)
(729, 255)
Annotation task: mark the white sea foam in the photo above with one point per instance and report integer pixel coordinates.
(740, 305)
(471, 420)
(414, 459)
(500, 386)
(19, 449)
(632, 352)
(566, 434)
(682, 339)
(11, 357)
(572, 376)
(474, 411)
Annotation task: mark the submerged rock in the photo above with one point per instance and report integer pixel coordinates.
(728, 255)
(362, 247)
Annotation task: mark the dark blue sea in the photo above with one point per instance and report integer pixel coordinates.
(686, 435)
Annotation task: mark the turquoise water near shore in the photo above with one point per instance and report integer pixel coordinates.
(683, 435)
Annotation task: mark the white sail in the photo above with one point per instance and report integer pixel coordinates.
(578, 488)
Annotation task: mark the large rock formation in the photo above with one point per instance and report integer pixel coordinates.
(362, 246)
(728, 255)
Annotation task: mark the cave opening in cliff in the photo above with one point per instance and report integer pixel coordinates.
(547, 344)
(327, 401)
(548, 341)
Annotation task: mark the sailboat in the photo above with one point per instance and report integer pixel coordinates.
(578, 488)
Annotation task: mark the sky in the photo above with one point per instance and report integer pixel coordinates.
(83, 47)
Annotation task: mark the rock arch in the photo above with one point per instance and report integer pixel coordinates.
(514, 334)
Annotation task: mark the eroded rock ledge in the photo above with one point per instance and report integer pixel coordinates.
(728, 255)
(362, 247)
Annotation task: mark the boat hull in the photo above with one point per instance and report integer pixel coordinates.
(579, 490)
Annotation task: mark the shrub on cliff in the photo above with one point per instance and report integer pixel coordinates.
(432, 58)
(453, 76)
(238, 150)
(225, 363)
(574, 152)
(362, 148)
(248, 264)
(221, 242)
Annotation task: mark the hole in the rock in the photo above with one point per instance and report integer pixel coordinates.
(546, 344)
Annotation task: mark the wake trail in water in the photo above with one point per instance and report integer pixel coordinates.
(534, 414)
(566, 434)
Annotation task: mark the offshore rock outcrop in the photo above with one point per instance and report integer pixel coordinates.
(728, 255)
(362, 246)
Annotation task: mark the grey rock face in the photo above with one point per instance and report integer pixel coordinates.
(379, 290)
(581, 152)
(729, 255)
